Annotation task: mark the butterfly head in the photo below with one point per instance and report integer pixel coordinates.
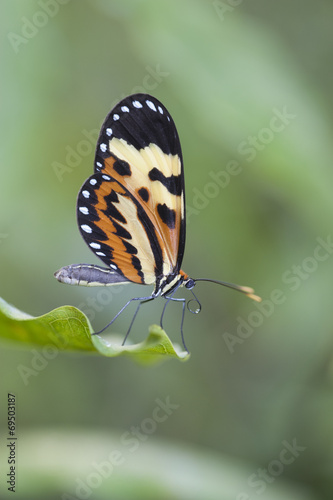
(189, 283)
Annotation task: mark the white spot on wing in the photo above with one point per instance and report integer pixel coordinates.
(151, 105)
(86, 228)
(137, 104)
(125, 109)
(115, 117)
(106, 177)
(103, 147)
(95, 245)
(113, 266)
(84, 210)
(160, 110)
(101, 254)
(109, 131)
(86, 193)
(98, 164)
(93, 182)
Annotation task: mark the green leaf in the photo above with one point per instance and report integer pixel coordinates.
(68, 329)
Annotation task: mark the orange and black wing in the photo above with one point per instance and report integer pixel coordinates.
(131, 212)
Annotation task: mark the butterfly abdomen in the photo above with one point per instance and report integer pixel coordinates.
(89, 275)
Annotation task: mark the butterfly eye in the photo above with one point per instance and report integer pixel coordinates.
(190, 284)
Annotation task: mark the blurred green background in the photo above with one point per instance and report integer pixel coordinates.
(249, 85)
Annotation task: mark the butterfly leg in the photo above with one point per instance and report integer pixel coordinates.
(164, 308)
(183, 315)
(136, 312)
(168, 298)
(143, 299)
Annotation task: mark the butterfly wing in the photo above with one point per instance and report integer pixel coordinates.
(116, 228)
(131, 212)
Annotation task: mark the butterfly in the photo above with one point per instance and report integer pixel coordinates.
(131, 211)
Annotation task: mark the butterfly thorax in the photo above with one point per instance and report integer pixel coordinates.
(167, 284)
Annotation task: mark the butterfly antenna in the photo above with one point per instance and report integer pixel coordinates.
(244, 289)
